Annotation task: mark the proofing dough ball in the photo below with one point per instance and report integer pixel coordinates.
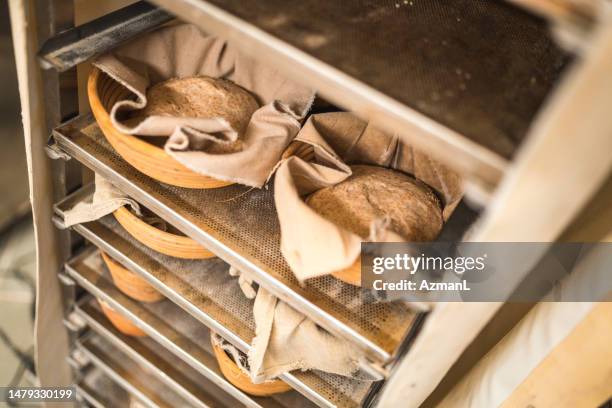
(371, 193)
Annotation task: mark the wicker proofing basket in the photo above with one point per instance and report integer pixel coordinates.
(241, 380)
(167, 243)
(352, 274)
(104, 92)
(121, 323)
(131, 284)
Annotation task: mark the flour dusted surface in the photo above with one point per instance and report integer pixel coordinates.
(372, 193)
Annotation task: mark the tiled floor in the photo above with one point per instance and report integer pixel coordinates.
(17, 272)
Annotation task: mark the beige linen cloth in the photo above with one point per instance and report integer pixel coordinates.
(286, 340)
(314, 246)
(105, 200)
(181, 51)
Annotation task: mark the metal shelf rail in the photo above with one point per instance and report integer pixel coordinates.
(99, 391)
(78, 44)
(144, 385)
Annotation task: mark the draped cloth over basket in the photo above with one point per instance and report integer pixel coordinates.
(314, 246)
(286, 340)
(182, 51)
(105, 200)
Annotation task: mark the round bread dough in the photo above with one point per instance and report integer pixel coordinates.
(371, 193)
(203, 97)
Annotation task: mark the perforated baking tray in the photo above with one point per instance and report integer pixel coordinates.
(99, 391)
(240, 225)
(461, 78)
(136, 381)
(187, 338)
(152, 356)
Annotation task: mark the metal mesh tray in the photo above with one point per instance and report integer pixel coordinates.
(99, 391)
(154, 357)
(138, 382)
(183, 335)
(481, 67)
(240, 225)
(91, 313)
(463, 79)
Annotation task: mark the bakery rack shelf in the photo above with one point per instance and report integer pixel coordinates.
(99, 391)
(142, 384)
(149, 353)
(75, 45)
(148, 356)
(423, 76)
(177, 375)
(240, 226)
(183, 336)
(571, 20)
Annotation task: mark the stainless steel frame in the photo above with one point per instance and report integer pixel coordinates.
(78, 44)
(99, 391)
(145, 386)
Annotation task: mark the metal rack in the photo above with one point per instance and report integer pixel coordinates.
(98, 390)
(422, 76)
(160, 322)
(241, 227)
(147, 385)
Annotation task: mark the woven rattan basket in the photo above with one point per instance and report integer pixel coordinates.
(241, 380)
(131, 284)
(352, 274)
(121, 323)
(152, 160)
(164, 242)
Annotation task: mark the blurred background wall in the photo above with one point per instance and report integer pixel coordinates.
(17, 256)
(13, 175)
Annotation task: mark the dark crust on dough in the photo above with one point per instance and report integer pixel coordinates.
(373, 193)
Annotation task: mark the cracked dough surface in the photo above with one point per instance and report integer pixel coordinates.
(372, 193)
(203, 97)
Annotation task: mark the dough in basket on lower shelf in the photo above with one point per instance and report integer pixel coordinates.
(120, 322)
(234, 367)
(130, 283)
(341, 182)
(286, 340)
(138, 221)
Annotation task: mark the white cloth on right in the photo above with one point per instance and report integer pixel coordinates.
(511, 361)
